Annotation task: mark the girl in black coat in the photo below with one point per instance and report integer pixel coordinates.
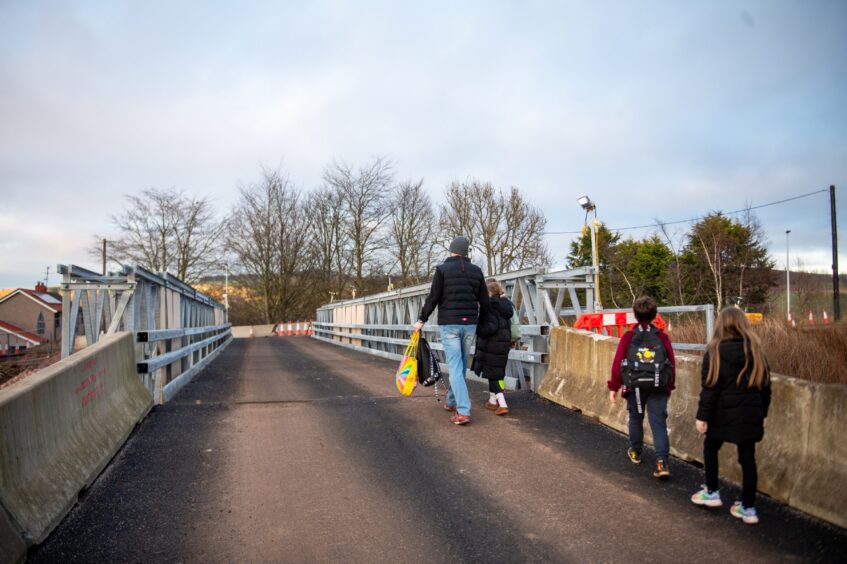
(734, 402)
(493, 342)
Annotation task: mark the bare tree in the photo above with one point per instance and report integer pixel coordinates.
(268, 237)
(675, 244)
(330, 258)
(364, 193)
(165, 230)
(412, 226)
(506, 229)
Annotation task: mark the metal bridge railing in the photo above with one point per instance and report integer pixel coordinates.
(381, 324)
(178, 330)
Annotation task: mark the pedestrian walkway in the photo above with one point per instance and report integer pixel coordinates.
(296, 450)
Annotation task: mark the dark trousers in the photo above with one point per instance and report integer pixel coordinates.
(747, 460)
(656, 406)
(496, 386)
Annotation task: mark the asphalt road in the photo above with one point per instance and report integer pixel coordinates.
(292, 450)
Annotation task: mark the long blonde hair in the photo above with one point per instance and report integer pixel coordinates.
(732, 323)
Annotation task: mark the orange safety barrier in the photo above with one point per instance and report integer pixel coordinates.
(605, 322)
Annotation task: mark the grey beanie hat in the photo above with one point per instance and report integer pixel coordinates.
(459, 245)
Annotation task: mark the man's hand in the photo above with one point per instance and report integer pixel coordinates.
(702, 426)
(613, 396)
(418, 326)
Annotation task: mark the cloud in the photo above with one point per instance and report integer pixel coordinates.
(655, 109)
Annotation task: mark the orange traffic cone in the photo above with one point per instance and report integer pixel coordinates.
(811, 318)
(298, 328)
(670, 326)
(825, 318)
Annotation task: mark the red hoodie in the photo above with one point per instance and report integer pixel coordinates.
(614, 382)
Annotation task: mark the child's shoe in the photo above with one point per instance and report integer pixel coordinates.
(633, 455)
(662, 471)
(491, 406)
(746, 514)
(706, 498)
(502, 410)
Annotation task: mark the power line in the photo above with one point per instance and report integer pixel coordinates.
(694, 218)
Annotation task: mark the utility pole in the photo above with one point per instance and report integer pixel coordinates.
(104, 257)
(836, 291)
(787, 278)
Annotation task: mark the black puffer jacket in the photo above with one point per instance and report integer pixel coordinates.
(735, 413)
(493, 340)
(458, 290)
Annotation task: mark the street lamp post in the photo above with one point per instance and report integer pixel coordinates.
(787, 277)
(588, 205)
(226, 292)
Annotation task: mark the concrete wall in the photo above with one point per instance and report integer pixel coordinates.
(61, 426)
(802, 460)
(243, 331)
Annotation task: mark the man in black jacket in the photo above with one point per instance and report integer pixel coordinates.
(458, 290)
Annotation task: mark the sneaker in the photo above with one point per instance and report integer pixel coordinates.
(746, 514)
(662, 471)
(448, 407)
(502, 411)
(491, 406)
(459, 419)
(706, 498)
(633, 455)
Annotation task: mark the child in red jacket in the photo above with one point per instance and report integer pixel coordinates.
(644, 370)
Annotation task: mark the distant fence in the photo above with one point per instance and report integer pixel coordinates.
(178, 330)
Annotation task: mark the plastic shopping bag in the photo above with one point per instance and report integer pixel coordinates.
(407, 374)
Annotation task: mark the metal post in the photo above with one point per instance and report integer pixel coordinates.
(710, 321)
(787, 278)
(104, 257)
(595, 261)
(226, 293)
(836, 291)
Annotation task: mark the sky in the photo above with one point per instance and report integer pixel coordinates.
(655, 109)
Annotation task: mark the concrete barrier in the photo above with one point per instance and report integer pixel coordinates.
(61, 426)
(243, 331)
(802, 461)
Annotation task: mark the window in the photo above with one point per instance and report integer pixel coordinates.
(40, 327)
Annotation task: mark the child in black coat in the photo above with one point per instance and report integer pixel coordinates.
(493, 342)
(734, 402)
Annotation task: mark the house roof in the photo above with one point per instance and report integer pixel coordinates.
(20, 333)
(50, 301)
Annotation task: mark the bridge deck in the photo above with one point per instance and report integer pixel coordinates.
(295, 450)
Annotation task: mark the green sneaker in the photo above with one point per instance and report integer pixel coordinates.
(706, 498)
(633, 455)
(746, 514)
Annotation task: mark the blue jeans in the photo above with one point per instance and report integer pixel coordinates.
(457, 340)
(656, 406)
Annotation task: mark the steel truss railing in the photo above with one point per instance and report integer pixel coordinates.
(381, 324)
(178, 330)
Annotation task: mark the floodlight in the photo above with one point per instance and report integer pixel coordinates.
(585, 202)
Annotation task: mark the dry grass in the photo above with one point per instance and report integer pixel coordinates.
(815, 353)
(14, 369)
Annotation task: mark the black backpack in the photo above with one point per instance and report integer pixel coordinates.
(646, 366)
(429, 372)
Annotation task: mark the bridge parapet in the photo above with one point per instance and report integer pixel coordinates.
(177, 329)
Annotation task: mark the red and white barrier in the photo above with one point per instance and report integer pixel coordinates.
(606, 322)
